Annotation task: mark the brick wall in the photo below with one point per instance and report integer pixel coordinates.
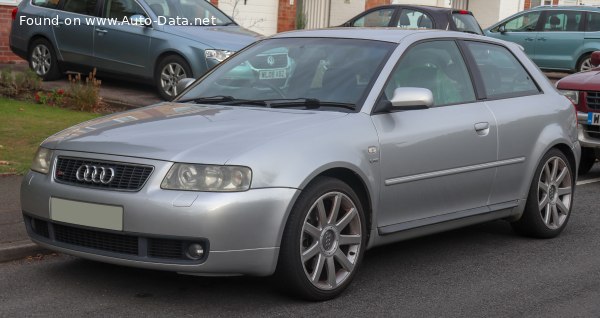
(527, 3)
(373, 3)
(215, 2)
(6, 55)
(287, 16)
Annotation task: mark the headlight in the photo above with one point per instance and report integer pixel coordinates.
(193, 177)
(572, 95)
(41, 160)
(218, 55)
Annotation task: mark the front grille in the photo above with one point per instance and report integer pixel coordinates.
(593, 100)
(110, 242)
(128, 177)
(262, 61)
(128, 246)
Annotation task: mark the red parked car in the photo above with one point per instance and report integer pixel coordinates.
(583, 89)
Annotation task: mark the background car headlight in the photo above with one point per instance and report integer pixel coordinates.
(41, 160)
(218, 55)
(193, 177)
(572, 95)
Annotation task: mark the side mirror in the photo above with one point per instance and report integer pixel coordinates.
(183, 84)
(502, 29)
(595, 59)
(412, 98)
(138, 19)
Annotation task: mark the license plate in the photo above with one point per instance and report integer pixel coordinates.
(272, 74)
(87, 214)
(594, 119)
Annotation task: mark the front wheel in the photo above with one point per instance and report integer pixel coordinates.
(550, 198)
(324, 240)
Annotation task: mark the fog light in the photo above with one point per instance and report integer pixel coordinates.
(195, 251)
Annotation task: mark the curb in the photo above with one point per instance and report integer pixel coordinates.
(20, 249)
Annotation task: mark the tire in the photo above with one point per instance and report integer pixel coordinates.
(588, 158)
(169, 71)
(334, 248)
(550, 198)
(42, 60)
(585, 63)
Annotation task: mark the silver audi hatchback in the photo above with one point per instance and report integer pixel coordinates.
(370, 136)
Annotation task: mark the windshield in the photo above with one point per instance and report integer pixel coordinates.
(188, 12)
(318, 69)
(466, 23)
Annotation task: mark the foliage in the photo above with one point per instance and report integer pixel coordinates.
(54, 97)
(84, 95)
(15, 84)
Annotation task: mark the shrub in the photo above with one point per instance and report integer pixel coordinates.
(52, 98)
(84, 96)
(13, 84)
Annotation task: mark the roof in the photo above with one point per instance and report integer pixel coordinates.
(393, 35)
(424, 7)
(560, 7)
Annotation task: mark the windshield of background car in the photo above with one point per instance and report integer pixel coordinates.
(466, 23)
(194, 12)
(327, 69)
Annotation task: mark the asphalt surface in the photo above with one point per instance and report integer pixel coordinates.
(484, 270)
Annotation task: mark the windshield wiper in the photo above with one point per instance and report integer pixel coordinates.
(309, 103)
(209, 100)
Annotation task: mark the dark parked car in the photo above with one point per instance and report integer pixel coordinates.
(583, 89)
(417, 17)
(156, 41)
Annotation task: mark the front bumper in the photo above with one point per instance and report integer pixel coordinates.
(241, 230)
(589, 136)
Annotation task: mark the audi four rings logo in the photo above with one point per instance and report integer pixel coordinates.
(95, 174)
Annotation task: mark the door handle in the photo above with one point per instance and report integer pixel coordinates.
(482, 129)
(542, 39)
(101, 31)
(529, 39)
(60, 23)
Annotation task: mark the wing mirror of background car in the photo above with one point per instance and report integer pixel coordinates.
(595, 59)
(139, 19)
(502, 29)
(411, 98)
(183, 84)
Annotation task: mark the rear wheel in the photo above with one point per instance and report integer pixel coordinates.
(42, 60)
(588, 158)
(169, 72)
(324, 240)
(550, 198)
(585, 63)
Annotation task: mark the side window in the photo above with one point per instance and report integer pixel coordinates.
(87, 7)
(562, 21)
(119, 9)
(52, 4)
(502, 74)
(379, 18)
(412, 19)
(523, 23)
(437, 66)
(593, 22)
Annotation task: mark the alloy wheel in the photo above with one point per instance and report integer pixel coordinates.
(41, 59)
(586, 65)
(555, 192)
(331, 240)
(170, 75)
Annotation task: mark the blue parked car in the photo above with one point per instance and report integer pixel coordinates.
(554, 37)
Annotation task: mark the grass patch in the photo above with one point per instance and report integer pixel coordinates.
(24, 125)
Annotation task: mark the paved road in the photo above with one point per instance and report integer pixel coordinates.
(483, 270)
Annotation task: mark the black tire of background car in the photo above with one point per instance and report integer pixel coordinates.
(161, 64)
(54, 71)
(582, 59)
(588, 158)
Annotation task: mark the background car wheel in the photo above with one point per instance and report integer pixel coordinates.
(550, 198)
(170, 70)
(42, 60)
(323, 242)
(585, 63)
(588, 158)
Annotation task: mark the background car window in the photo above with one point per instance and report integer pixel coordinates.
(593, 22)
(413, 19)
(562, 21)
(194, 11)
(46, 3)
(502, 74)
(466, 23)
(523, 23)
(437, 66)
(87, 7)
(119, 9)
(378, 18)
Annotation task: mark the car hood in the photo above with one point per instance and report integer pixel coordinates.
(583, 81)
(185, 132)
(230, 37)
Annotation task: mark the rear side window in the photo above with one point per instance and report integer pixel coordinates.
(52, 4)
(378, 18)
(502, 74)
(562, 21)
(593, 22)
(87, 7)
(466, 23)
(413, 19)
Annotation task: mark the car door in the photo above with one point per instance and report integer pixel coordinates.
(559, 39)
(435, 162)
(514, 98)
(521, 29)
(74, 34)
(123, 48)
